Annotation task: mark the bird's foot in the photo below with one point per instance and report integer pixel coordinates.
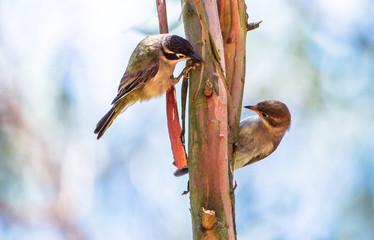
(191, 65)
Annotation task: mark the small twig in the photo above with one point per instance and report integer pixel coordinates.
(188, 188)
(253, 25)
(183, 105)
(235, 185)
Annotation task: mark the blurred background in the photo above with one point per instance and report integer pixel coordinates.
(60, 66)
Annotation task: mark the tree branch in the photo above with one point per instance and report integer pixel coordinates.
(208, 166)
(175, 130)
(162, 16)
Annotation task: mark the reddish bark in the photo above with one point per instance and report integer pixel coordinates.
(175, 130)
(208, 130)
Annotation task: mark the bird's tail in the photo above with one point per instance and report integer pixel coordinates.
(106, 121)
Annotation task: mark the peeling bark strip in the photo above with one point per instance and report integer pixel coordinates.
(208, 130)
(175, 130)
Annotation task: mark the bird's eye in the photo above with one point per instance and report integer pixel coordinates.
(180, 55)
(264, 114)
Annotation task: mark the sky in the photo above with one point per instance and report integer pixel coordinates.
(60, 66)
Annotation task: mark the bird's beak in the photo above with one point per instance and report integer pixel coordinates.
(197, 58)
(253, 108)
(250, 107)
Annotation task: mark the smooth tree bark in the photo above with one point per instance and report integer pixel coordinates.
(210, 188)
(218, 29)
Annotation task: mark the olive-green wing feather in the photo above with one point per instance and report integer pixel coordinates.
(130, 83)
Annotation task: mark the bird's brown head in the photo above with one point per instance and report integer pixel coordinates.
(273, 112)
(177, 48)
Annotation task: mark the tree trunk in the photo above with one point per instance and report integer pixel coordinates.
(218, 29)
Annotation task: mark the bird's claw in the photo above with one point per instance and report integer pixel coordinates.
(191, 65)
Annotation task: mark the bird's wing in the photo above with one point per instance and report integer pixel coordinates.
(142, 67)
(133, 80)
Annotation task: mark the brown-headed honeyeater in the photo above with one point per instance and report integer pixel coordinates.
(149, 73)
(259, 135)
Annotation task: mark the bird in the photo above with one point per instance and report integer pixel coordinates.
(259, 135)
(149, 73)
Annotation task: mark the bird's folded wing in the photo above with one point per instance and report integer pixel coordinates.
(130, 83)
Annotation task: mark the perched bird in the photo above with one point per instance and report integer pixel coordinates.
(149, 73)
(259, 135)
